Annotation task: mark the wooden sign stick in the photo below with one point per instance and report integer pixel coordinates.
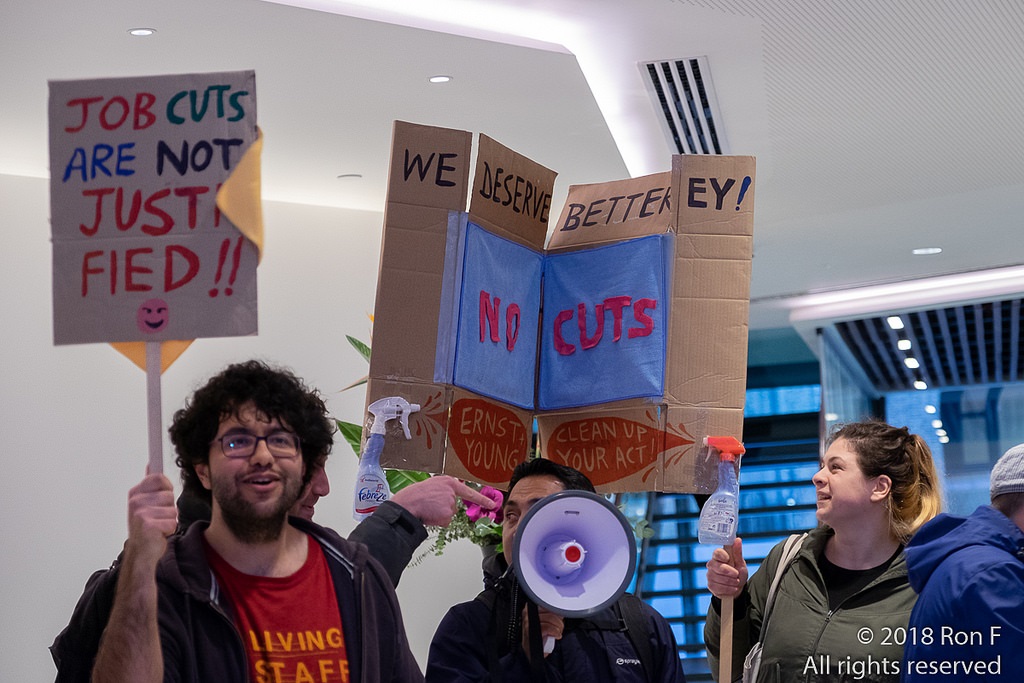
(153, 408)
(725, 645)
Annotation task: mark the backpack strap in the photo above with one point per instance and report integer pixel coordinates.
(789, 552)
(629, 607)
(488, 599)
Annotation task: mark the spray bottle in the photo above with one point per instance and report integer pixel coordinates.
(717, 526)
(371, 483)
(720, 514)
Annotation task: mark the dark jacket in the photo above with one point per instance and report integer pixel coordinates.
(390, 534)
(201, 644)
(859, 641)
(484, 635)
(969, 573)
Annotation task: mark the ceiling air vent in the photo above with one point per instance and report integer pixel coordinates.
(681, 89)
(958, 346)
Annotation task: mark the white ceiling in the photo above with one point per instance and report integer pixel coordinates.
(878, 126)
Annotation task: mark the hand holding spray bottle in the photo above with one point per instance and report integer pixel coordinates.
(717, 525)
(371, 483)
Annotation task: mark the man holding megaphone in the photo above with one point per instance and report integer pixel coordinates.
(567, 557)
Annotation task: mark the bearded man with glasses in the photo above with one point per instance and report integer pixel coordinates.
(252, 595)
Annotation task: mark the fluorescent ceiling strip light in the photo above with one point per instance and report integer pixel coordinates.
(911, 294)
(516, 25)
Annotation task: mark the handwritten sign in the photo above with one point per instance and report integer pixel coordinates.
(604, 334)
(490, 438)
(621, 339)
(141, 251)
(627, 445)
(499, 318)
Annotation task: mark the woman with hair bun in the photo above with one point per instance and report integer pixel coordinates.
(843, 602)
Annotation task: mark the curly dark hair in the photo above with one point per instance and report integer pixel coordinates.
(275, 392)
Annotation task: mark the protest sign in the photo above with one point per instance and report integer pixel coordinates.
(142, 250)
(623, 338)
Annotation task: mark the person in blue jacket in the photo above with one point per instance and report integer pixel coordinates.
(968, 623)
(486, 639)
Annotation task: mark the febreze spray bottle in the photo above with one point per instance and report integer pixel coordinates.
(720, 514)
(371, 483)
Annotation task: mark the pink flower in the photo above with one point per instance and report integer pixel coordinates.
(475, 512)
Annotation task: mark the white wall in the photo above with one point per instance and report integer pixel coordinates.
(73, 418)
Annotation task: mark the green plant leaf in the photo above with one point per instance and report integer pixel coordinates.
(399, 479)
(359, 382)
(642, 529)
(353, 434)
(359, 346)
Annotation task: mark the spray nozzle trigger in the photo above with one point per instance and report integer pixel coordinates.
(727, 446)
(388, 409)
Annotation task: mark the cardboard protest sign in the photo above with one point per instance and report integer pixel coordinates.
(706, 204)
(500, 307)
(142, 250)
(624, 339)
(586, 359)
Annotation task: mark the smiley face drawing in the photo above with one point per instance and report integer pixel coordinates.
(152, 315)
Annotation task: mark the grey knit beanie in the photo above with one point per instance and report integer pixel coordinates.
(1008, 474)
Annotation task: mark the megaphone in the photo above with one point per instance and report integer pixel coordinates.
(574, 553)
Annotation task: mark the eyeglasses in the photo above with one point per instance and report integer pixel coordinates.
(281, 444)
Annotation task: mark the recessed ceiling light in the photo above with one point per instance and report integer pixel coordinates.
(926, 251)
(943, 439)
(936, 424)
(920, 385)
(895, 322)
(941, 432)
(911, 362)
(142, 31)
(440, 78)
(930, 409)
(903, 344)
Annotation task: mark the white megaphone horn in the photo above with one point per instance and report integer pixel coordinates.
(574, 554)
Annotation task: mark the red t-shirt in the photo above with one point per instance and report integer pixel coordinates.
(290, 626)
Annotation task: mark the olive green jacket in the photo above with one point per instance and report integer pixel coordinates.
(862, 640)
